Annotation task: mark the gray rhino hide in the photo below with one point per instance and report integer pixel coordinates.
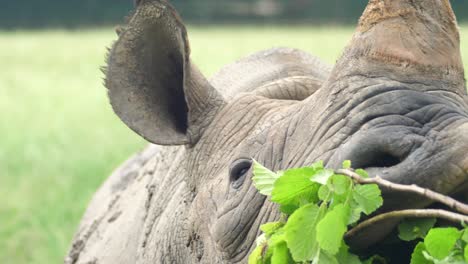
(395, 104)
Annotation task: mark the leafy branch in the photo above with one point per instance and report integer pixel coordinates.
(434, 196)
(411, 213)
(322, 207)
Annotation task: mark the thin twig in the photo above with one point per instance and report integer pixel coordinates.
(434, 196)
(414, 213)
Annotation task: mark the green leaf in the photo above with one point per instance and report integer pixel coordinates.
(453, 259)
(465, 253)
(263, 178)
(464, 236)
(270, 228)
(344, 256)
(341, 187)
(277, 238)
(300, 232)
(418, 257)
(355, 213)
(368, 197)
(281, 254)
(362, 173)
(413, 228)
(324, 193)
(429, 257)
(317, 165)
(440, 241)
(261, 240)
(347, 164)
(326, 258)
(256, 255)
(321, 176)
(289, 209)
(340, 184)
(295, 187)
(331, 228)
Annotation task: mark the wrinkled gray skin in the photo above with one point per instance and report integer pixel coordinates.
(395, 103)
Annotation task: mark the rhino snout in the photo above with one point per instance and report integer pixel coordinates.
(462, 134)
(404, 155)
(427, 148)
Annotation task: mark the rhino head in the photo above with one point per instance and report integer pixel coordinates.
(395, 104)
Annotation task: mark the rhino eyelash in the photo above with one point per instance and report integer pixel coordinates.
(238, 170)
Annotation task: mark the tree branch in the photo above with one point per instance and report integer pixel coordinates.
(434, 196)
(414, 213)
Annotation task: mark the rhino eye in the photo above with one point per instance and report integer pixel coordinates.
(238, 170)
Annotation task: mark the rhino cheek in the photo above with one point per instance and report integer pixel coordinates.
(234, 218)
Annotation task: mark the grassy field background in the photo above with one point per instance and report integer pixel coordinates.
(59, 137)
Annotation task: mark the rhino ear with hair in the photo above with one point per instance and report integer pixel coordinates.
(152, 85)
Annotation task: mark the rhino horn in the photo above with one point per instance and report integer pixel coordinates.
(405, 38)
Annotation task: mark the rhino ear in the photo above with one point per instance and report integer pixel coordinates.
(153, 87)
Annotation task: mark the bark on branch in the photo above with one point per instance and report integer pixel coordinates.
(434, 196)
(412, 213)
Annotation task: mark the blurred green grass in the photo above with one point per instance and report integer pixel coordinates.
(59, 136)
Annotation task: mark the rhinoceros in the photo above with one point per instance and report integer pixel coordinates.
(395, 103)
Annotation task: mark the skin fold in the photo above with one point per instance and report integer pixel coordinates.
(395, 104)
